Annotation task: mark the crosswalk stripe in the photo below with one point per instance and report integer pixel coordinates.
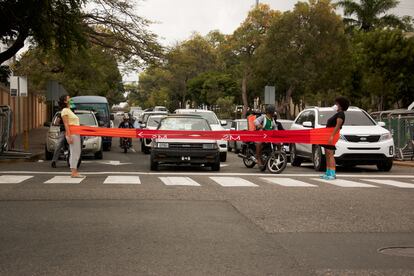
(178, 181)
(122, 179)
(14, 179)
(394, 183)
(233, 182)
(64, 180)
(345, 183)
(287, 182)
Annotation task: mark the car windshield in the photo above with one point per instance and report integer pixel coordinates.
(154, 121)
(352, 118)
(100, 108)
(209, 116)
(86, 119)
(184, 124)
(243, 125)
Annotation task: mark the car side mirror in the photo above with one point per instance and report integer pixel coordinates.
(223, 123)
(381, 124)
(112, 117)
(47, 124)
(143, 125)
(232, 128)
(307, 124)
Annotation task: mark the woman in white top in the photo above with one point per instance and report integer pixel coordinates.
(70, 119)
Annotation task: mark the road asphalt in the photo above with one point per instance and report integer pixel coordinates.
(123, 219)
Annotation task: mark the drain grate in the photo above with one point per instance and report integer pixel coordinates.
(402, 251)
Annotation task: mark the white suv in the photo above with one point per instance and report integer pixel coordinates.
(215, 124)
(362, 142)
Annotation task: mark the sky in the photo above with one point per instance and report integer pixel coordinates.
(176, 20)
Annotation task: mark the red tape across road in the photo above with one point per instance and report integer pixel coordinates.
(318, 136)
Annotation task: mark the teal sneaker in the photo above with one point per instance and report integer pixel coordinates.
(330, 175)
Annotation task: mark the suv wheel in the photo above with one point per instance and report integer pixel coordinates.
(215, 167)
(318, 159)
(154, 165)
(223, 156)
(294, 159)
(385, 166)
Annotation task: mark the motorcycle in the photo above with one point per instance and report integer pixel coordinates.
(125, 144)
(273, 157)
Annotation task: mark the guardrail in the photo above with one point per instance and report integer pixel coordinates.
(401, 125)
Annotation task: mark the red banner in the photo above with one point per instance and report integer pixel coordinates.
(318, 136)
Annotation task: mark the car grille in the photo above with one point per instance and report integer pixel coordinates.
(186, 146)
(362, 139)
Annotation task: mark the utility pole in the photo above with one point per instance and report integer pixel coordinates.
(257, 3)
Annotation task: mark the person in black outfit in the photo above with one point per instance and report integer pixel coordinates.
(336, 122)
(61, 139)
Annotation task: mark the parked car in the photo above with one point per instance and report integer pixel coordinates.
(161, 108)
(215, 124)
(151, 124)
(91, 145)
(363, 141)
(144, 116)
(239, 124)
(185, 151)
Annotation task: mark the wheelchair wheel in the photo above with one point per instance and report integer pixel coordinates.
(277, 162)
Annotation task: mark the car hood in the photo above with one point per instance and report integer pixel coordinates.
(363, 130)
(186, 141)
(216, 127)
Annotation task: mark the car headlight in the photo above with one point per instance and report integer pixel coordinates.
(209, 146)
(162, 145)
(341, 137)
(53, 135)
(385, 137)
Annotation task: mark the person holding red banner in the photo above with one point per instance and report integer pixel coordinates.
(336, 122)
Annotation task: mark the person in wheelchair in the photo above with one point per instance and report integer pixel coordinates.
(126, 124)
(267, 121)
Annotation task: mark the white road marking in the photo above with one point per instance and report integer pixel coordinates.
(287, 182)
(178, 181)
(376, 176)
(345, 183)
(64, 180)
(394, 183)
(233, 182)
(122, 179)
(13, 179)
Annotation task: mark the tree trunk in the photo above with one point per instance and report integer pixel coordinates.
(17, 45)
(244, 95)
(289, 93)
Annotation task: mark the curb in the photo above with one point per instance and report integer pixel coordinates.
(33, 157)
(404, 163)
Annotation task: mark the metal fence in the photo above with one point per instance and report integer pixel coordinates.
(6, 117)
(401, 125)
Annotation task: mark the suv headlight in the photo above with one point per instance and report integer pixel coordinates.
(53, 135)
(209, 146)
(162, 145)
(385, 137)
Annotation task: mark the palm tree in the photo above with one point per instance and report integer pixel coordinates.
(370, 14)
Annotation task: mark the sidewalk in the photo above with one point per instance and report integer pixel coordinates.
(404, 163)
(37, 142)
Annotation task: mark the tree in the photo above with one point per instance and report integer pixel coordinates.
(384, 62)
(207, 88)
(370, 14)
(246, 40)
(305, 53)
(93, 71)
(66, 25)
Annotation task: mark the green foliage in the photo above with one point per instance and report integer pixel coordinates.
(226, 107)
(384, 60)
(207, 88)
(92, 71)
(371, 14)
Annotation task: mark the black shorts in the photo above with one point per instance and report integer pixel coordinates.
(329, 147)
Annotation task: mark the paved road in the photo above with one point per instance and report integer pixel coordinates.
(123, 219)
